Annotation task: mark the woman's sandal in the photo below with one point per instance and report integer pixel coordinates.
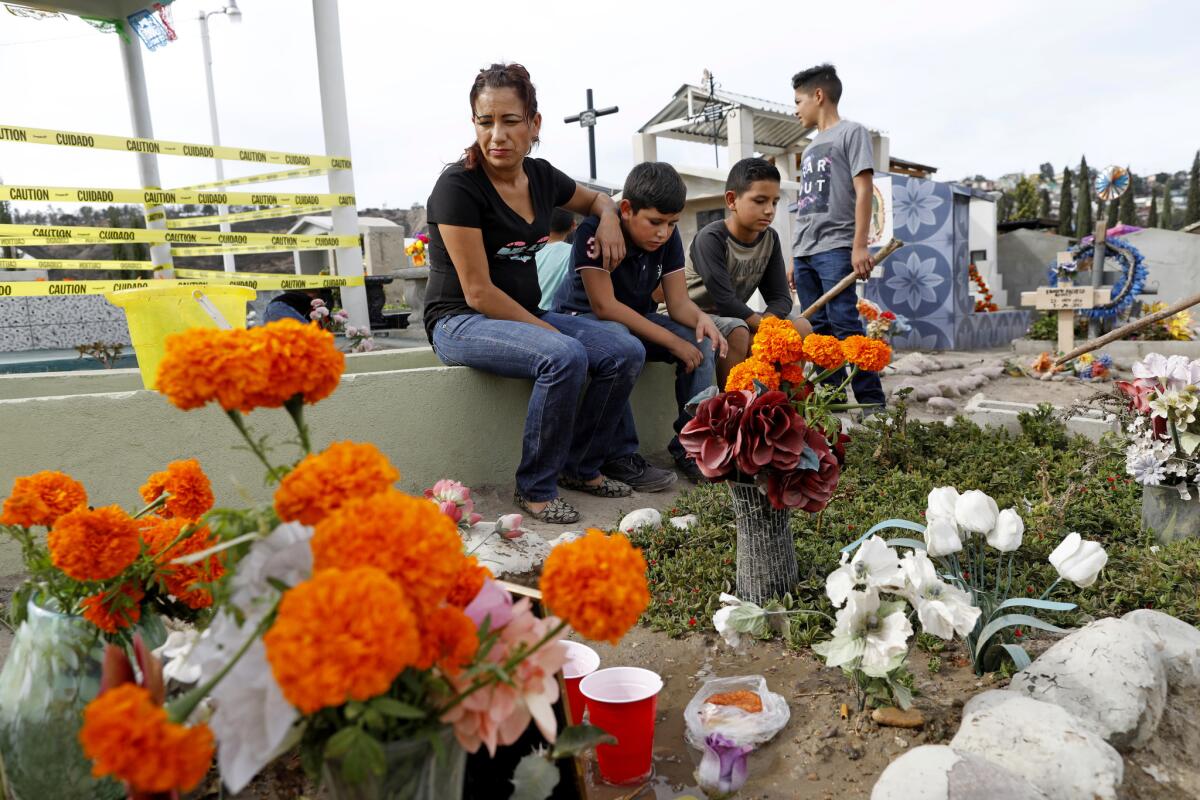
(605, 488)
(557, 511)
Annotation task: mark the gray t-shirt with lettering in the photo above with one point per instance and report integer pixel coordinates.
(825, 207)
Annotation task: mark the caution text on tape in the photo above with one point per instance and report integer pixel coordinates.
(242, 216)
(266, 177)
(75, 288)
(158, 197)
(99, 141)
(65, 263)
(21, 235)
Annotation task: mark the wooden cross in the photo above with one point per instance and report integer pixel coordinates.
(1065, 300)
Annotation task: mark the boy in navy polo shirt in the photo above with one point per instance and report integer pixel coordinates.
(651, 205)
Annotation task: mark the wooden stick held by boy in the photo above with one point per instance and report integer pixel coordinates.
(848, 281)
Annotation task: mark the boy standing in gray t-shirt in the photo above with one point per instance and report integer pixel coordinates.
(833, 214)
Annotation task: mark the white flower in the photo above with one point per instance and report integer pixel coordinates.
(253, 723)
(1079, 561)
(283, 555)
(976, 512)
(866, 628)
(941, 503)
(174, 652)
(1006, 536)
(943, 609)
(1145, 467)
(721, 620)
(874, 565)
(941, 537)
(1153, 368)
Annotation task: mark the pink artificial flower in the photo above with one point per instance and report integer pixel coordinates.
(498, 714)
(492, 602)
(318, 312)
(454, 500)
(509, 526)
(451, 510)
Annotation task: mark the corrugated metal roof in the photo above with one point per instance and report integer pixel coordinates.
(775, 125)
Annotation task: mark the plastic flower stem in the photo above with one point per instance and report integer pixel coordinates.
(295, 408)
(158, 502)
(182, 708)
(513, 660)
(481, 541)
(1046, 593)
(999, 567)
(240, 424)
(1008, 585)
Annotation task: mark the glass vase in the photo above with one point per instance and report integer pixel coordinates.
(415, 771)
(52, 672)
(766, 553)
(1169, 515)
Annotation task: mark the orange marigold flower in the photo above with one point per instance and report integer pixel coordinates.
(597, 584)
(868, 310)
(41, 498)
(94, 545)
(793, 374)
(743, 375)
(116, 609)
(871, 355)
(203, 365)
(185, 582)
(824, 351)
(777, 342)
(128, 736)
(341, 635)
(190, 490)
(448, 639)
(298, 359)
(408, 538)
(468, 582)
(324, 481)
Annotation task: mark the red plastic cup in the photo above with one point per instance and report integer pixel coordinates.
(622, 701)
(581, 662)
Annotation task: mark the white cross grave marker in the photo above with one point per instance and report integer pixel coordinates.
(1065, 300)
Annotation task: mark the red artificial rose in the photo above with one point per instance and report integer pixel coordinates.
(772, 434)
(712, 437)
(888, 315)
(839, 448)
(806, 489)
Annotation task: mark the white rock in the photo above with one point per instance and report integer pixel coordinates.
(1043, 742)
(1109, 674)
(925, 391)
(564, 538)
(936, 772)
(684, 522)
(942, 403)
(1179, 645)
(949, 388)
(640, 519)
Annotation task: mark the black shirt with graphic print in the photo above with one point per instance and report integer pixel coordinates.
(468, 199)
(634, 279)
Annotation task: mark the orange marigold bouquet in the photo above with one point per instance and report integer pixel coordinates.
(108, 565)
(776, 425)
(345, 616)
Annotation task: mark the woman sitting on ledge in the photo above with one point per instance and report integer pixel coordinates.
(489, 213)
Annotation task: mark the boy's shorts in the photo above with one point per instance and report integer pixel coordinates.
(727, 325)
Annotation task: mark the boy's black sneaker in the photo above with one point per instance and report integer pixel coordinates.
(687, 465)
(639, 473)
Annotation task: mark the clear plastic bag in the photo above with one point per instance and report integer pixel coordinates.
(742, 727)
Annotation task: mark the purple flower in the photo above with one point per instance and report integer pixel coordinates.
(492, 601)
(723, 767)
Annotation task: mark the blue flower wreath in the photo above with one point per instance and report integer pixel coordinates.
(1126, 288)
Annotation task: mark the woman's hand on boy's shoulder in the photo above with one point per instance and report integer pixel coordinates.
(609, 241)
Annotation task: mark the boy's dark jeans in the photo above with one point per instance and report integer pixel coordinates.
(817, 274)
(687, 384)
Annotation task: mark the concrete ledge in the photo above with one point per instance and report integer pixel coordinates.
(1002, 414)
(1123, 352)
(431, 421)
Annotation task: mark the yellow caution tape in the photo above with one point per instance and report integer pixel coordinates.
(75, 288)
(242, 216)
(267, 280)
(97, 141)
(266, 177)
(64, 263)
(156, 197)
(155, 216)
(21, 235)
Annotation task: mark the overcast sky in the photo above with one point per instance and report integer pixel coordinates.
(967, 87)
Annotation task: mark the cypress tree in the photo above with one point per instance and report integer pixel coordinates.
(1083, 216)
(1066, 208)
(1112, 208)
(1168, 213)
(1044, 204)
(1152, 219)
(6, 219)
(1193, 197)
(1126, 210)
(1025, 199)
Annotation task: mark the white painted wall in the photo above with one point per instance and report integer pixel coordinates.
(982, 236)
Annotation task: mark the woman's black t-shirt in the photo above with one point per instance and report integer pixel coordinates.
(467, 198)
